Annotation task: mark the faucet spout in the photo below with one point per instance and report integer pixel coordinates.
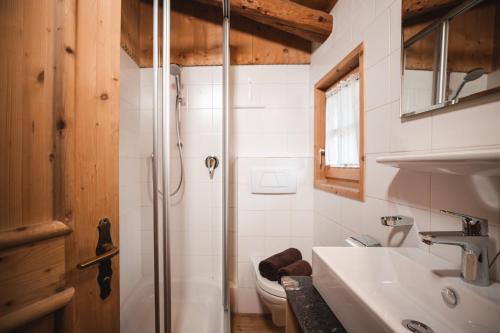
(473, 239)
(474, 268)
(457, 238)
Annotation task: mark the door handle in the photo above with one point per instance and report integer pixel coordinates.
(110, 253)
(104, 251)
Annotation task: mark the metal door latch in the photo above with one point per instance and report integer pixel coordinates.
(104, 251)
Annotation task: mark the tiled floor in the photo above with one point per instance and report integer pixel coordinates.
(253, 323)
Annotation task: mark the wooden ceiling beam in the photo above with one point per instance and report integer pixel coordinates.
(417, 8)
(308, 23)
(324, 5)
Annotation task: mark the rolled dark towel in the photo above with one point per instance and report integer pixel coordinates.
(298, 268)
(269, 267)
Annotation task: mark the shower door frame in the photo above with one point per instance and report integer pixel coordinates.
(166, 304)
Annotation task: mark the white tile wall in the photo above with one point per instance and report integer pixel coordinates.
(389, 190)
(195, 211)
(129, 177)
(273, 128)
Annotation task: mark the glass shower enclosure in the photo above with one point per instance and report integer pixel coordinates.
(190, 210)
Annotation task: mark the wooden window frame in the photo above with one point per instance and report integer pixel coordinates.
(348, 182)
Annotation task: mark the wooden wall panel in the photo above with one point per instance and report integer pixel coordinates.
(197, 39)
(59, 104)
(96, 122)
(30, 273)
(26, 99)
(33, 92)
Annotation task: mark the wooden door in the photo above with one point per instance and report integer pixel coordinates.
(59, 95)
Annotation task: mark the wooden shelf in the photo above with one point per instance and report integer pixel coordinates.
(484, 162)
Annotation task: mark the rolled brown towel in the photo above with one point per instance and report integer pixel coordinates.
(298, 268)
(269, 267)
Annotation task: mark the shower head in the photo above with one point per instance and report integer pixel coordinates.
(472, 75)
(175, 69)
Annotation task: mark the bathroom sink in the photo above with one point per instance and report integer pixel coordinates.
(376, 289)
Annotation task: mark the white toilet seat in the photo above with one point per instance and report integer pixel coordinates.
(272, 295)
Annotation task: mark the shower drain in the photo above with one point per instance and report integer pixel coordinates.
(416, 326)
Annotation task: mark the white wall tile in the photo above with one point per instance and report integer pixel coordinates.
(278, 223)
(395, 71)
(247, 301)
(377, 39)
(252, 223)
(479, 196)
(377, 84)
(202, 75)
(364, 11)
(198, 96)
(302, 223)
(396, 10)
(480, 121)
(400, 186)
(249, 247)
(275, 245)
(377, 129)
(297, 74)
(408, 135)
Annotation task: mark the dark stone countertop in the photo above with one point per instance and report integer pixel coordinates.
(311, 311)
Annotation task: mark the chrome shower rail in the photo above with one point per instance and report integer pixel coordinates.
(167, 295)
(165, 126)
(225, 152)
(156, 240)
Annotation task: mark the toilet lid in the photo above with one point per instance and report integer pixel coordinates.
(271, 287)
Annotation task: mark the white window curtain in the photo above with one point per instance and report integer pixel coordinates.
(342, 124)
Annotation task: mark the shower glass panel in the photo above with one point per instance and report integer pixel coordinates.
(195, 224)
(190, 291)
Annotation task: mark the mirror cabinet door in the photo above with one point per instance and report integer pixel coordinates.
(452, 57)
(419, 73)
(474, 52)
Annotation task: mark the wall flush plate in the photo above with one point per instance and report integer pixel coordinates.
(274, 181)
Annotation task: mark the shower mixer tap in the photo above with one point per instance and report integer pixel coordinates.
(211, 162)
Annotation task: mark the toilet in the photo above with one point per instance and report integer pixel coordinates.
(273, 295)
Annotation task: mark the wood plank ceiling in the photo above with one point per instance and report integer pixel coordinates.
(263, 34)
(263, 31)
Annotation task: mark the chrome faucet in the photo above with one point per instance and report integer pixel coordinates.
(473, 239)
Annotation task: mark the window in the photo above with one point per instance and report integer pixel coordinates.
(339, 124)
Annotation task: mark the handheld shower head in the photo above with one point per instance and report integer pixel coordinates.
(472, 75)
(175, 69)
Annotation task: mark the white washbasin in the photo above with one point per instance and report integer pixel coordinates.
(375, 289)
